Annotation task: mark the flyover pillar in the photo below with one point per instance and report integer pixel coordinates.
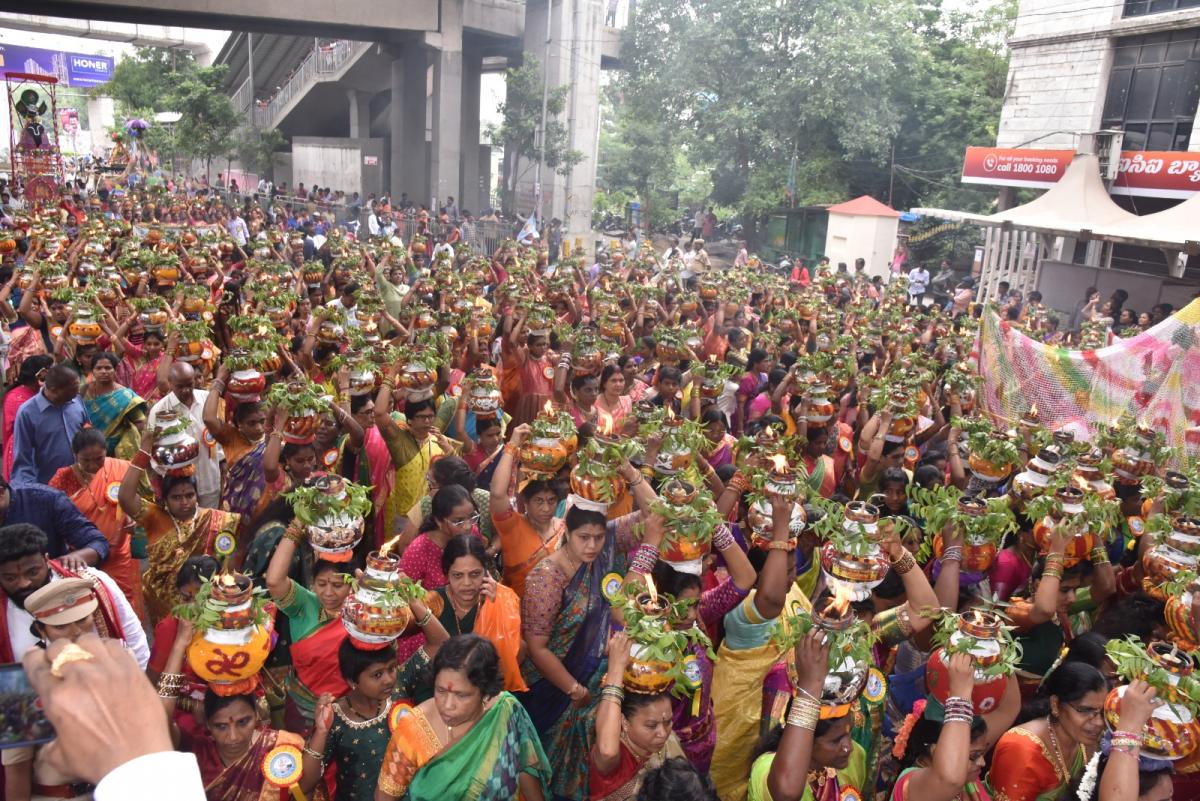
(406, 120)
(360, 113)
(575, 37)
(472, 194)
(445, 158)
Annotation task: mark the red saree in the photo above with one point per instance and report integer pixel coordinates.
(243, 780)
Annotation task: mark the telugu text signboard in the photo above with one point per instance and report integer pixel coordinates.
(1170, 174)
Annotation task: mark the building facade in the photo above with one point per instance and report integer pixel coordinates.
(1084, 65)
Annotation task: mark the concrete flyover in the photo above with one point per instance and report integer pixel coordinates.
(368, 20)
(389, 90)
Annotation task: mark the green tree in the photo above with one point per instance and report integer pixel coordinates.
(256, 150)
(146, 79)
(520, 118)
(743, 86)
(209, 120)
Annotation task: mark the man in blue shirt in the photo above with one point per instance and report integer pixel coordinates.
(73, 539)
(45, 426)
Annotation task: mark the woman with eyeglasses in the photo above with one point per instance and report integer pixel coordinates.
(472, 603)
(1038, 760)
(452, 513)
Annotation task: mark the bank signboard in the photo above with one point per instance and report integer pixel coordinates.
(1170, 174)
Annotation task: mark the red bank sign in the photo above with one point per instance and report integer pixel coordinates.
(1174, 174)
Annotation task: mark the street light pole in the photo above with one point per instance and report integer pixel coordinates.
(250, 70)
(539, 195)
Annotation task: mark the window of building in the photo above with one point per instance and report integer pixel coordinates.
(1153, 89)
(1137, 8)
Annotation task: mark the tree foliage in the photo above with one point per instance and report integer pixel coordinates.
(741, 86)
(256, 150)
(157, 79)
(520, 118)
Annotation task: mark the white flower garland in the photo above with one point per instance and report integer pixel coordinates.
(1087, 784)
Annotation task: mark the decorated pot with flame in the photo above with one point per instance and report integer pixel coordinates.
(544, 456)
(84, 327)
(1082, 539)
(175, 450)
(981, 633)
(154, 319)
(856, 574)
(363, 382)
(649, 673)
(758, 518)
(1089, 474)
(1035, 478)
(978, 553)
(246, 385)
(1179, 551)
(484, 398)
(416, 378)
(1181, 625)
(684, 544)
(987, 471)
(1173, 732)
(820, 406)
(229, 655)
(333, 536)
(847, 673)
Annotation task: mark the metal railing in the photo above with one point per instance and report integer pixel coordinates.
(243, 97)
(321, 61)
(484, 236)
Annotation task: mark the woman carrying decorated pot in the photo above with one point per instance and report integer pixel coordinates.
(692, 721)
(527, 360)
(243, 442)
(472, 602)
(1040, 614)
(1121, 772)
(176, 528)
(471, 741)
(531, 534)
(565, 621)
(412, 445)
(633, 731)
(315, 625)
(139, 367)
(90, 483)
(747, 653)
(232, 749)
(815, 740)
(942, 760)
(1038, 760)
(112, 408)
(285, 465)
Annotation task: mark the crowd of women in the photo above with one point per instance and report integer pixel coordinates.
(476, 527)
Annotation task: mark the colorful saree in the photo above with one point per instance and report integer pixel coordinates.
(12, 402)
(1023, 769)
(117, 415)
(243, 780)
(98, 503)
(578, 638)
(485, 765)
(171, 543)
(245, 484)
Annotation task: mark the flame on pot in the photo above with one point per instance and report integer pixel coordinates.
(387, 546)
(548, 409)
(606, 429)
(839, 605)
(653, 591)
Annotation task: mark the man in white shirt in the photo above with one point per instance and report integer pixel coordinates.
(185, 399)
(347, 302)
(918, 281)
(238, 230)
(25, 569)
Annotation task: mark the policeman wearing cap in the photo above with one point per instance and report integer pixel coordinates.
(63, 609)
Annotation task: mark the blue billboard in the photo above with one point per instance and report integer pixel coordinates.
(71, 69)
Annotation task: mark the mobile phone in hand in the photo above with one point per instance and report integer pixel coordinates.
(22, 720)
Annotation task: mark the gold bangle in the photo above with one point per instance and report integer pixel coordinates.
(804, 713)
(904, 564)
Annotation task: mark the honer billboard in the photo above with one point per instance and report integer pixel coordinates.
(71, 69)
